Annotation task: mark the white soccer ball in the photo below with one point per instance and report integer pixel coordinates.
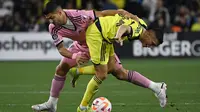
(101, 104)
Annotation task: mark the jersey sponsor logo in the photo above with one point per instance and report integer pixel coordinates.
(55, 37)
(175, 48)
(120, 23)
(29, 46)
(138, 29)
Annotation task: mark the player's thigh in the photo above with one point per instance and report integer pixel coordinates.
(111, 63)
(118, 64)
(114, 66)
(118, 71)
(97, 47)
(99, 52)
(111, 55)
(101, 71)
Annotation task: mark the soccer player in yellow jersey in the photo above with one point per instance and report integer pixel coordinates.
(100, 37)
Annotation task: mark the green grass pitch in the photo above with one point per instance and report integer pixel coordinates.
(23, 84)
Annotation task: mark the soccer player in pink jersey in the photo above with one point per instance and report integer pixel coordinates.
(73, 24)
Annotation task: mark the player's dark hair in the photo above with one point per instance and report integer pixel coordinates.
(50, 7)
(159, 34)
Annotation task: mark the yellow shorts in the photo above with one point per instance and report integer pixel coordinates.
(100, 50)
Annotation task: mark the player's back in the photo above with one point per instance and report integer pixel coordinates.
(110, 24)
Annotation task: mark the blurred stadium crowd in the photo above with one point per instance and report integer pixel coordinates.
(171, 15)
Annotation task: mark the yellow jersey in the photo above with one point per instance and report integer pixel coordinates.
(110, 25)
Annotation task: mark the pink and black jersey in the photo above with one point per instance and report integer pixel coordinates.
(75, 28)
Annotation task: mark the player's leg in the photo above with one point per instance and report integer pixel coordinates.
(75, 72)
(93, 85)
(131, 76)
(84, 70)
(88, 70)
(57, 84)
(138, 79)
(99, 52)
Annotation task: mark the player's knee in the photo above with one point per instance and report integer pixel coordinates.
(101, 74)
(101, 71)
(111, 63)
(120, 74)
(111, 67)
(61, 70)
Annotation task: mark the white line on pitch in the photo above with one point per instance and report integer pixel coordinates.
(116, 104)
(80, 84)
(114, 92)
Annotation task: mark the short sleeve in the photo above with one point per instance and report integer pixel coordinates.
(89, 13)
(54, 31)
(143, 23)
(136, 30)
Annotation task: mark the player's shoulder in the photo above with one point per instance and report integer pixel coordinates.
(53, 28)
(71, 12)
(74, 12)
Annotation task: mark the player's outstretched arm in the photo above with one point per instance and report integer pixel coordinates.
(129, 15)
(108, 13)
(122, 30)
(113, 12)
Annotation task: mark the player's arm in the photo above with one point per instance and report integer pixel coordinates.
(63, 51)
(66, 53)
(123, 30)
(58, 41)
(113, 12)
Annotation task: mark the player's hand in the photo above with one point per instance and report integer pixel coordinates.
(80, 58)
(119, 40)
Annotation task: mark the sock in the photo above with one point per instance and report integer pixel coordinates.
(56, 87)
(155, 87)
(138, 79)
(52, 100)
(92, 88)
(83, 107)
(87, 70)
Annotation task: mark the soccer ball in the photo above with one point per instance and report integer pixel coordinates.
(101, 104)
